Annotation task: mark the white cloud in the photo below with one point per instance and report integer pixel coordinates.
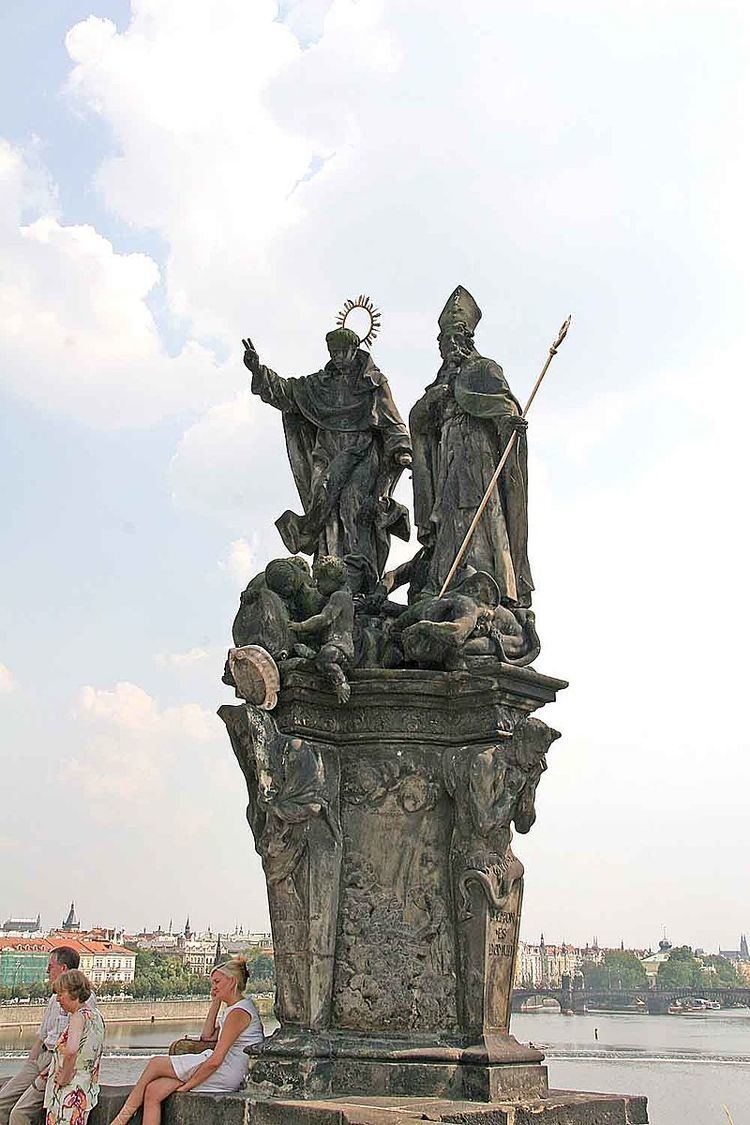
(8, 682)
(132, 744)
(130, 708)
(240, 562)
(231, 465)
(76, 334)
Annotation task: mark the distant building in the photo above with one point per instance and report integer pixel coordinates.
(23, 960)
(19, 927)
(740, 958)
(103, 962)
(71, 924)
(544, 965)
(198, 955)
(652, 962)
(234, 943)
(740, 954)
(198, 951)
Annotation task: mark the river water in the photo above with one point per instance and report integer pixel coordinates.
(688, 1066)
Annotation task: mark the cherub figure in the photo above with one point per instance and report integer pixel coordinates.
(334, 625)
(284, 591)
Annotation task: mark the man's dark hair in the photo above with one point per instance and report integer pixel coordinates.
(66, 956)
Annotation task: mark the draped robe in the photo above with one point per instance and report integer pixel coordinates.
(459, 430)
(343, 433)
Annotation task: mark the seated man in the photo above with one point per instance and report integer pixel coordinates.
(22, 1097)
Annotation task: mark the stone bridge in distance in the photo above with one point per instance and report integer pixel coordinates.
(656, 1001)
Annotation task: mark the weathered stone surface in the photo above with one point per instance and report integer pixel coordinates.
(459, 429)
(293, 811)
(556, 1108)
(323, 1078)
(347, 446)
(385, 832)
(417, 706)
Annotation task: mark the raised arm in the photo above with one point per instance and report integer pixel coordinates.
(210, 1031)
(234, 1025)
(318, 622)
(266, 383)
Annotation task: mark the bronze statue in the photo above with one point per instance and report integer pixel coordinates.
(347, 446)
(459, 429)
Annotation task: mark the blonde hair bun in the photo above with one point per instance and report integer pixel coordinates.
(236, 968)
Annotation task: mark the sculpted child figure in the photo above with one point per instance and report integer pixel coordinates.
(334, 625)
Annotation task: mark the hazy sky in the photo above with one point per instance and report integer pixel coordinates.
(175, 174)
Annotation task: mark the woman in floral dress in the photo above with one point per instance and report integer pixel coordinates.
(73, 1084)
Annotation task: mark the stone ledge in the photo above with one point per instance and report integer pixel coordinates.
(558, 1108)
(325, 1079)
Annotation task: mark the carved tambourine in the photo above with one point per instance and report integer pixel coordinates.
(366, 305)
(256, 675)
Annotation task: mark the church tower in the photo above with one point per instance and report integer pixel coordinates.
(71, 923)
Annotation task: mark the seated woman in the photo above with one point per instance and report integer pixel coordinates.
(219, 1070)
(72, 1088)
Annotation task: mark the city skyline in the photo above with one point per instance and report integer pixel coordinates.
(551, 937)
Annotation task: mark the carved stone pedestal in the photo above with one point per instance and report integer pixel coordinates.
(385, 826)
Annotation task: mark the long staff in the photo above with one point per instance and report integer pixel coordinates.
(501, 464)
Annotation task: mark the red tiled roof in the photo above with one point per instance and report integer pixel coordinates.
(96, 947)
(30, 944)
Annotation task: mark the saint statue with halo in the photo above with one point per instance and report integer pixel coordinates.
(347, 446)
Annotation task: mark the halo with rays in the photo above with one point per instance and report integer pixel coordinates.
(361, 302)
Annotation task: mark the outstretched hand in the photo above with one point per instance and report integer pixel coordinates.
(250, 358)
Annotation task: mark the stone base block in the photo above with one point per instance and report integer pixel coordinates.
(556, 1108)
(327, 1077)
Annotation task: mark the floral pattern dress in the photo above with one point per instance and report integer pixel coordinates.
(71, 1104)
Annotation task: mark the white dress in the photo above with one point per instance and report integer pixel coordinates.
(231, 1073)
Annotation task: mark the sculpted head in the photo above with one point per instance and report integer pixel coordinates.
(457, 322)
(342, 347)
(286, 576)
(456, 342)
(330, 574)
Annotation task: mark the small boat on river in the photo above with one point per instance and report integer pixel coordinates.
(693, 1006)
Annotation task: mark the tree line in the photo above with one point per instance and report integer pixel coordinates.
(621, 971)
(157, 975)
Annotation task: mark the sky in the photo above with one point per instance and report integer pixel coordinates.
(175, 175)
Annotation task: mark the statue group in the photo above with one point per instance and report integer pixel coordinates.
(388, 746)
(348, 446)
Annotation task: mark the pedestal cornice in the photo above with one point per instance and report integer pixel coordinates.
(416, 705)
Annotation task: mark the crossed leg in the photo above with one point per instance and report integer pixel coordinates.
(156, 1092)
(157, 1068)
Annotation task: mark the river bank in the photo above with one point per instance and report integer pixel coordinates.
(127, 1011)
